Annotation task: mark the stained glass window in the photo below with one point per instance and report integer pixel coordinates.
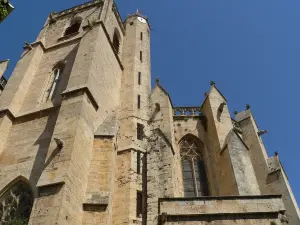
(193, 167)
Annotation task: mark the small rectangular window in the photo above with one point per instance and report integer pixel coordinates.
(141, 56)
(139, 203)
(138, 163)
(139, 102)
(139, 78)
(140, 131)
(141, 36)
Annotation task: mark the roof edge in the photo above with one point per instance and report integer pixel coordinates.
(77, 7)
(164, 91)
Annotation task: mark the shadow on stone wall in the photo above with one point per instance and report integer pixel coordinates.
(44, 140)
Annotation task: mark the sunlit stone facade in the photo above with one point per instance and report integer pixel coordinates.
(86, 140)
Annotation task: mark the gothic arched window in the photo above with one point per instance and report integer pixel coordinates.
(193, 168)
(53, 81)
(16, 204)
(74, 26)
(116, 41)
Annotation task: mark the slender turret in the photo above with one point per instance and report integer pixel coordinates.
(134, 116)
(136, 80)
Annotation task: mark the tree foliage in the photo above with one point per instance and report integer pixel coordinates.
(3, 10)
(18, 221)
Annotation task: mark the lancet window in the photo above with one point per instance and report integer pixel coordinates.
(193, 167)
(53, 82)
(16, 204)
(117, 41)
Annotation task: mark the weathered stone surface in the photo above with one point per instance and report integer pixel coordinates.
(3, 66)
(221, 205)
(222, 210)
(83, 157)
(269, 171)
(109, 127)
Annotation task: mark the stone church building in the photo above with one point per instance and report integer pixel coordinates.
(86, 140)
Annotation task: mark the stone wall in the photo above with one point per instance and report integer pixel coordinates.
(193, 125)
(113, 22)
(53, 32)
(164, 177)
(24, 153)
(221, 174)
(33, 98)
(269, 171)
(68, 165)
(19, 83)
(127, 181)
(160, 179)
(257, 151)
(100, 188)
(88, 92)
(97, 68)
(221, 210)
(79, 151)
(227, 220)
(228, 149)
(3, 67)
(125, 187)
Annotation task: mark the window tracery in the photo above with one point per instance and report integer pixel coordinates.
(16, 204)
(193, 167)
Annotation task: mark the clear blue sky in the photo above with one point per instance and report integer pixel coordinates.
(251, 49)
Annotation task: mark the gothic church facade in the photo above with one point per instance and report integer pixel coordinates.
(85, 140)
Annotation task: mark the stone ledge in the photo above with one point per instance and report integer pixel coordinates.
(97, 198)
(230, 197)
(109, 128)
(79, 90)
(8, 113)
(94, 207)
(221, 205)
(60, 43)
(47, 183)
(42, 111)
(50, 189)
(96, 201)
(246, 218)
(39, 112)
(68, 36)
(232, 215)
(131, 148)
(243, 115)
